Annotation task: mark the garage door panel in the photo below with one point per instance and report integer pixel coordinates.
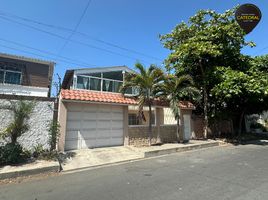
(104, 124)
(116, 133)
(74, 108)
(73, 125)
(104, 116)
(103, 131)
(104, 108)
(117, 109)
(117, 124)
(117, 116)
(88, 134)
(74, 115)
(71, 144)
(91, 126)
(116, 141)
(90, 109)
(89, 116)
(71, 135)
(88, 143)
(102, 142)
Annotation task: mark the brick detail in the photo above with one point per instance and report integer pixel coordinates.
(138, 135)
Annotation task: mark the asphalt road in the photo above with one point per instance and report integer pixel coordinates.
(236, 172)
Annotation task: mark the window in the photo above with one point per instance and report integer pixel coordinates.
(10, 77)
(82, 82)
(111, 86)
(132, 91)
(133, 119)
(95, 84)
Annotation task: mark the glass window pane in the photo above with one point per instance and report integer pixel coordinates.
(116, 86)
(95, 84)
(12, 78)
(117, 75)
(94, 74)
(1, 76)
(82, 82)
(107, 85)
(133, 119)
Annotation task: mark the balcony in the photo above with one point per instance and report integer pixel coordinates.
(103, 81)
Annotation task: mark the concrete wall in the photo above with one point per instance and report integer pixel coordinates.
(138, 135)
(218, 128)
(39, 122)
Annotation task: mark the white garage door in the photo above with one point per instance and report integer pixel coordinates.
(93, 125)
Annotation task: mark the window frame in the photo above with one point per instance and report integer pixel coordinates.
(101, 79)
(11, 71)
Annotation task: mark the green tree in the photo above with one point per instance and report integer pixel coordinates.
(175, 89)
(243, 91)
(146, 82)
(207, 41)
(21, 113)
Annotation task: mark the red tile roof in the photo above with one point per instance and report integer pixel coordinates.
(88, 95)
(117, 98)
(186, 105)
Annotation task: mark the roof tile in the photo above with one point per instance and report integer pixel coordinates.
(117, 98)
(87, 95)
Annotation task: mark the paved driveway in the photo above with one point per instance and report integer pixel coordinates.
(234, 172)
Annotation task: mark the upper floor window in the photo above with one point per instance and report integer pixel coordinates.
(10, 76)
(103, 81)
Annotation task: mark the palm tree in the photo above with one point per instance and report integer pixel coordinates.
(145, 81)
(174, 89)
(21, 113)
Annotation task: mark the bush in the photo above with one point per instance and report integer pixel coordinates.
(43, 154)
(12, 154)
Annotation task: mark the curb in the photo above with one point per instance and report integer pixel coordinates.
(15, 174)
(179, 149)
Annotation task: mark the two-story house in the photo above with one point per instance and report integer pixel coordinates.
(93, 112)
(25, 76)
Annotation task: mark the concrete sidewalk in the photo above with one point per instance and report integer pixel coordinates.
(37, 167)
(88, 158)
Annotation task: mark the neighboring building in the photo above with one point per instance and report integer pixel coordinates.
(28, 79)
(93, 113)
(25, 76)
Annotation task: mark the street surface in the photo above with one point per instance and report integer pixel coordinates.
(233, 172)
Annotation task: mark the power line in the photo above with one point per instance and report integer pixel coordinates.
(49, 58)
(76, 27)
(46, 52)
(81, 34)
(71, 40)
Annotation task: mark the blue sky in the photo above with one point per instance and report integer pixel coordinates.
(132, 25)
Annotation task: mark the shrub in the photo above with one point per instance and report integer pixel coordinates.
(12, 154)
(38, 150)
(43, 154)
(21, 113)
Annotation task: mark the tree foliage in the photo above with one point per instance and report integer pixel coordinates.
(174, 89)
(21, 113)
(146, 83)
(208, 48)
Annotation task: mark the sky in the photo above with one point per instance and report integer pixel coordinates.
(102, 33)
